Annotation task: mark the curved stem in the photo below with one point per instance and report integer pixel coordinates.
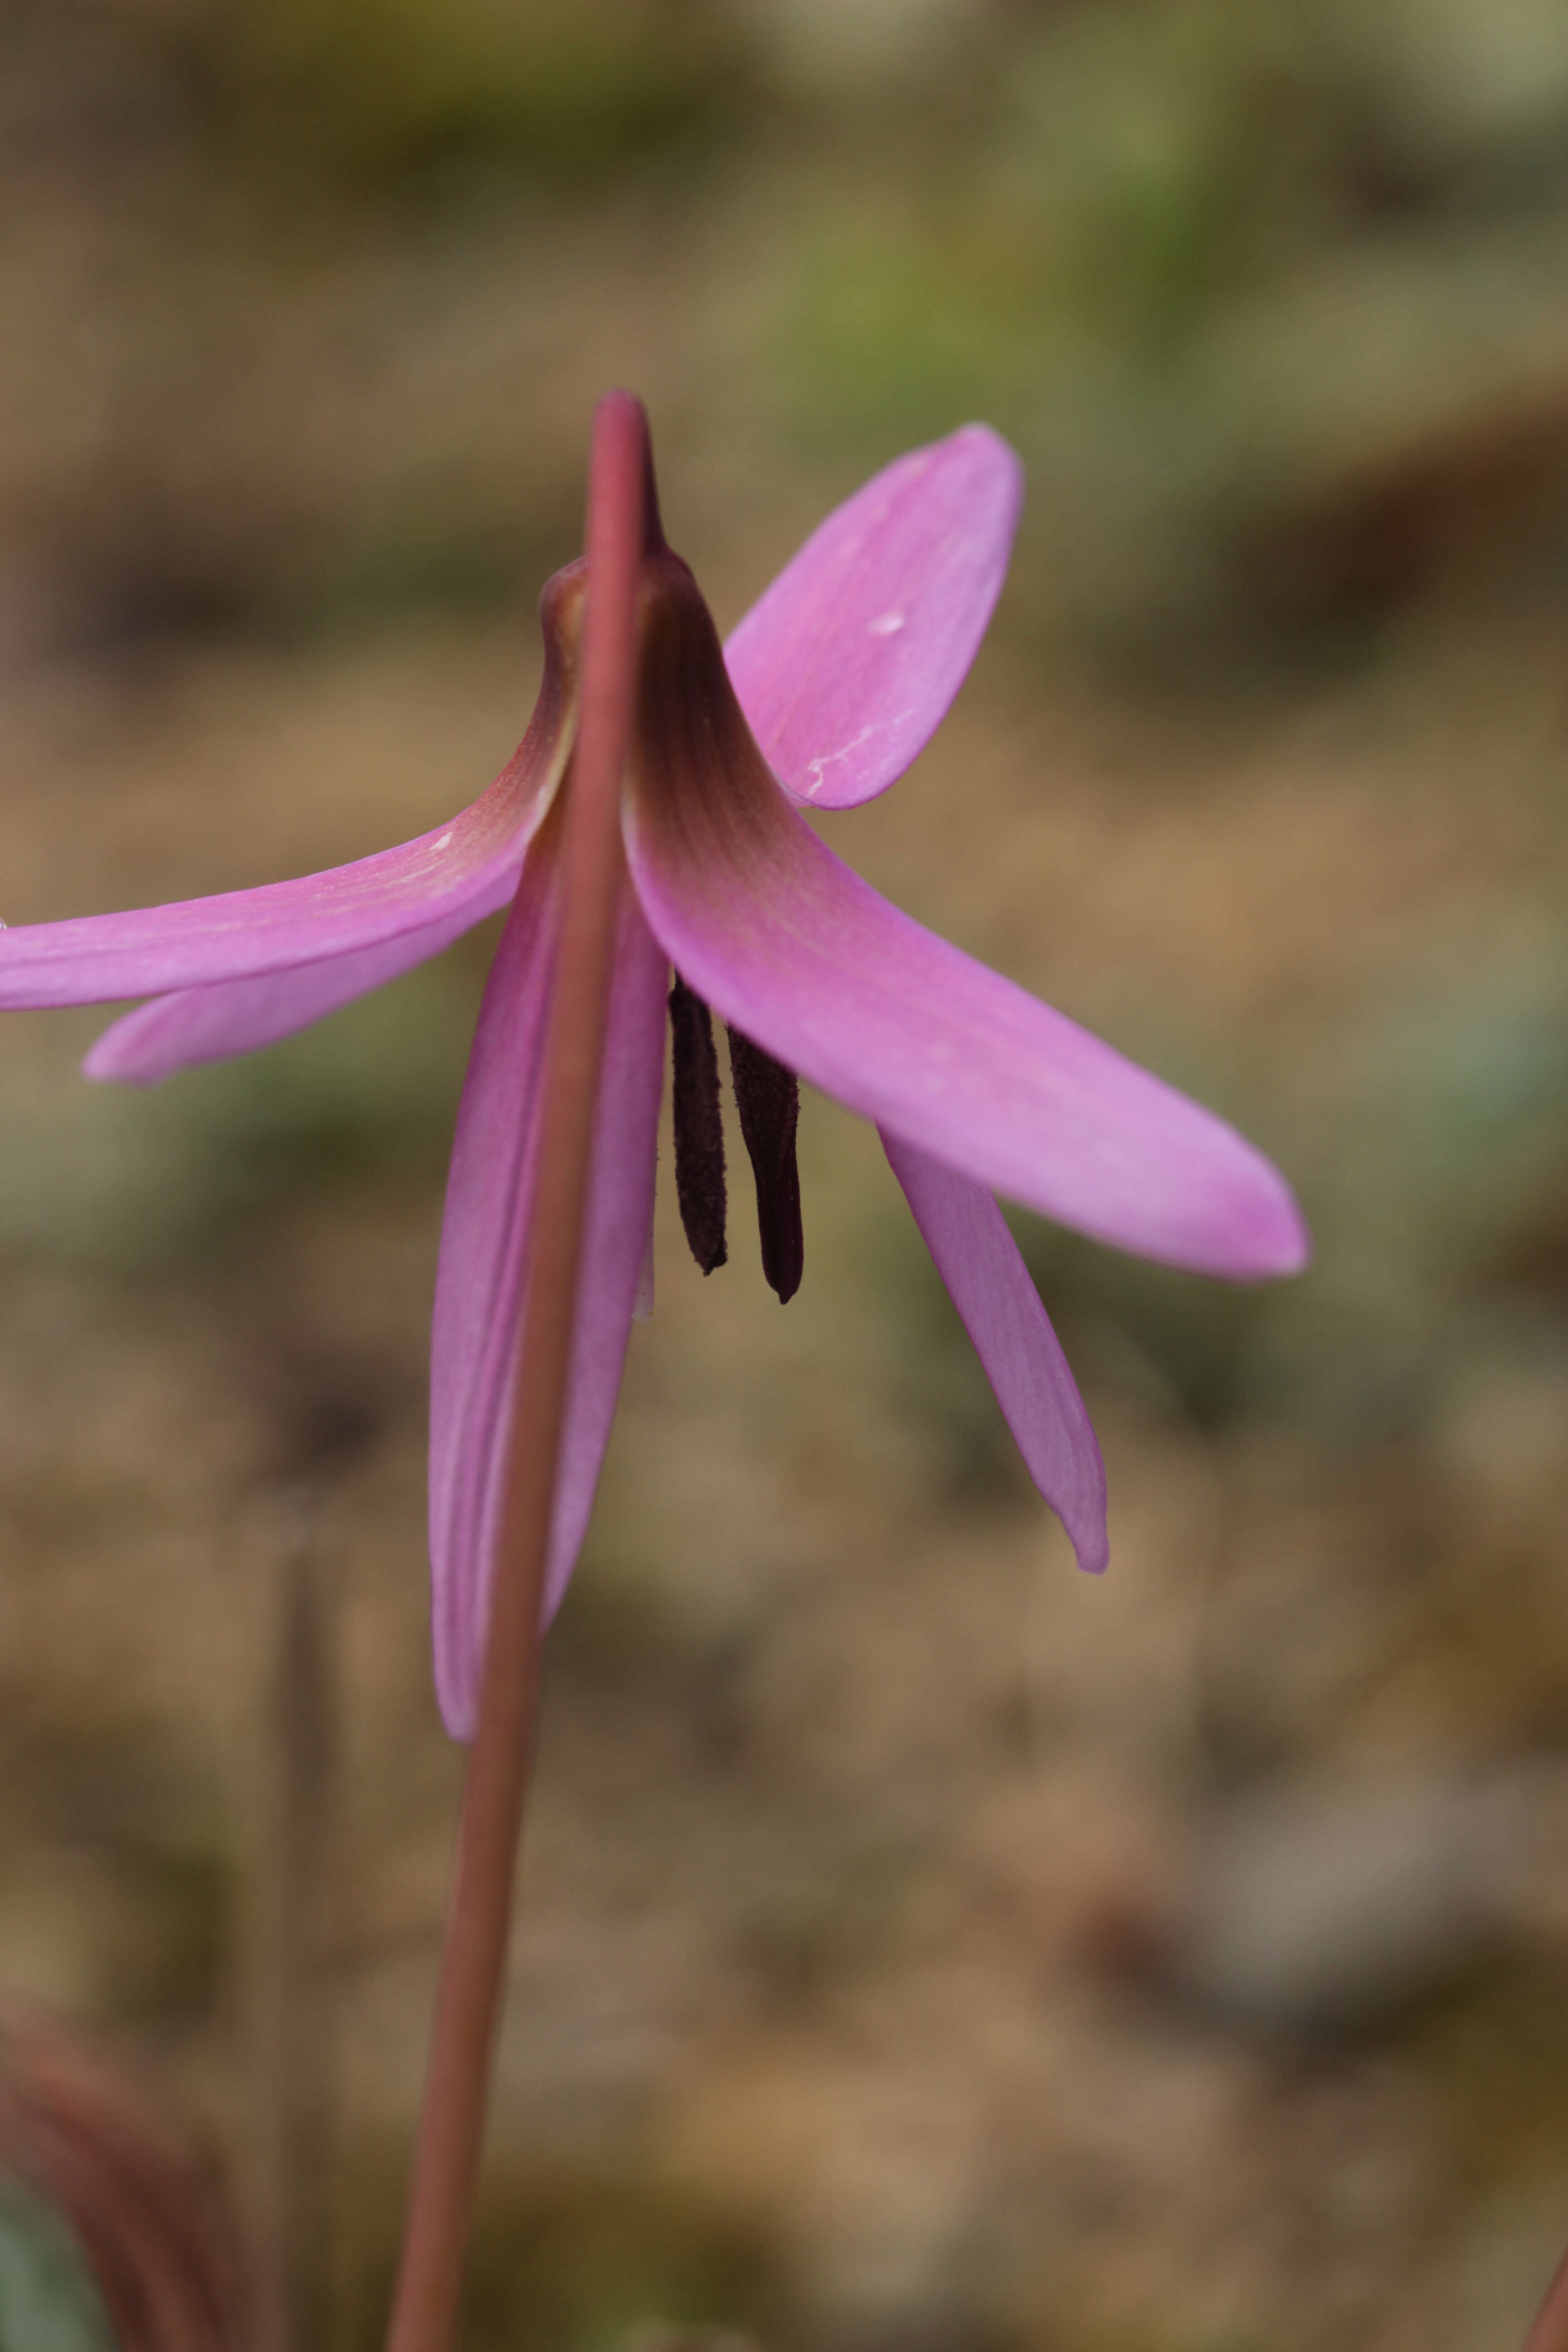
(467, 2002)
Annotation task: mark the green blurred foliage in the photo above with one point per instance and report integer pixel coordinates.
(567, 2260)
(48, 2302)
(1264, 293)
(123, 1177)
(383, 89)
(1251, 285)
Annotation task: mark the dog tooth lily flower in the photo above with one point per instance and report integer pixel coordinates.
(826, 691)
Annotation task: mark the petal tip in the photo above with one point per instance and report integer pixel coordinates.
(1093, 1556)
(1298, 1255)
(992, 474)
(1272, 1241)
(1087, 1530)
(103, 1063)
(984, 440)
(457, 1720)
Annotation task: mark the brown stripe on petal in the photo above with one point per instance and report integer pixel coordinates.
(696, 776)
(767, 1097)
(699, 1127)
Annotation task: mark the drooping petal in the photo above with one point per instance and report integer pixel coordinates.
(848, 664)
(479, 1285)
(239, 1016)
(1000, 1308)
(793, 949)
(435, 885)
(801, 954)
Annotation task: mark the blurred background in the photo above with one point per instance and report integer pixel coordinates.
(922, 1948)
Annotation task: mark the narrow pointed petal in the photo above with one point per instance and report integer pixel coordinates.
(447, 879)
(479, 1285)
(1000, 1308)
(793, 949)
(846, 666)
(240, 1016)
(422, 892)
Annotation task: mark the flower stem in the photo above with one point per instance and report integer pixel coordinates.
(473, 1965)
(288, 2127)
(1549, 2333)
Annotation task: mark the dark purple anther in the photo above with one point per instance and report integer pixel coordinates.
(699, 1127)
(767, 1097)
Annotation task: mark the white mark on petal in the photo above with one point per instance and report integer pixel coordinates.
(886, 624)
(813, 768)
(446, 837)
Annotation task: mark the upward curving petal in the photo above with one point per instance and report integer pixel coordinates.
(849, 663)
(424, 892)
(480, 1287)
(444, 880)
(1000, 1308)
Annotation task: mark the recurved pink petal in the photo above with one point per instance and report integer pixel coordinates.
(239, 1016)
(846, 666)
(424, 893)
(446, 879)
(479, 1285)
(790, 946)
(1000, 1308)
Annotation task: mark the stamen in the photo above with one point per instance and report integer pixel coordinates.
(767, 1097)
(699, 1127)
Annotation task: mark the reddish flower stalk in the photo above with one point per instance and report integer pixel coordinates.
(1549, 2333)
(473, 1966)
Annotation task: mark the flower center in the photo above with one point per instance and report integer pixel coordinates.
(694, 768)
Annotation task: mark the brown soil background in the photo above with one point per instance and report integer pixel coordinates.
(921, 1948)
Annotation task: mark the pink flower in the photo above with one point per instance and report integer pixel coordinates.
(825, 694)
